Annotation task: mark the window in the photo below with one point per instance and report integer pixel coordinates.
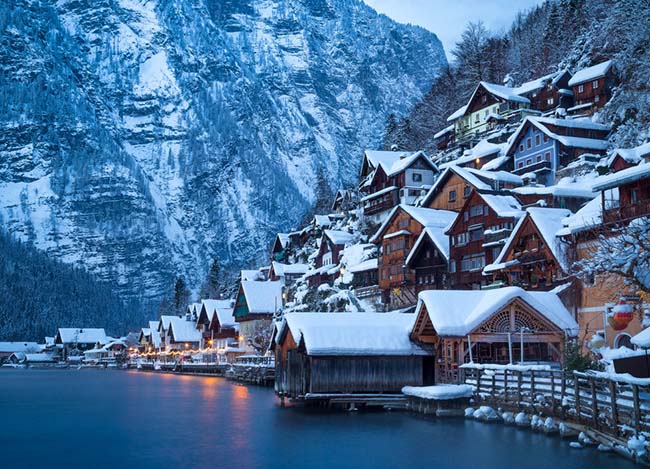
(417, 177)
(452, 196)
(581, 88)
(467, 191)
(550, 101)
(547, 156)
(537, 140)
(529, 143)
(594, 84)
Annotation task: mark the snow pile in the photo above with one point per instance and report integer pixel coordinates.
(440, 392)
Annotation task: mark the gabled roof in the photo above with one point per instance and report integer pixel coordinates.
(184, 330)
(263, 297)
(591, 73)
(339, 237)
(473, 307)
(625, 176)
(548, 222)
(84, 335)
(568, 141)
(356, 334)
(427, 217)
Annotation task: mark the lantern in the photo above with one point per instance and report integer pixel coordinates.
(620, 316)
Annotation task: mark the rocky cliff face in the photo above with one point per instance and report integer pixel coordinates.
(141, 138)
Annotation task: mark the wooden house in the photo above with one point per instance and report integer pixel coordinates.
(592, 88)
(477, 236)
(455, 185)
(623, 158)
(321, 356)
(74, 341)
(182, 335)
(625, 195)
(391, 178)
(255, 307)
(288, 274)
(216, 323)
(533, 256)
(542, 145)
(482, 326)
(327, 259)
(396, 236)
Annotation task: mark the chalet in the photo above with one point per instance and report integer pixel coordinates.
(483, 326)
(455, 185)
(216, 323)
(542, 145)
(182, 335)
(328, 256)
(568, 194)
(391, 178)
(625, 195)
(75, 341)
(256, 305)
(477, 236)
(396, 236)
(319, 356)
(280, 247)
(533, 257)
(592, 88)
(9, 348)
(489, 106)
(623, 158)
(343, 201)
(287, 273)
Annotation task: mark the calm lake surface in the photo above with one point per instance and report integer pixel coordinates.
(97, 419)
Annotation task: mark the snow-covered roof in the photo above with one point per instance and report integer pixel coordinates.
(223, 310)
(473, 307)
(437, 236)
(184, 330)
(82, 335)
(642, 339)
(591, 73)
(444, 131)
(281, 269)
(548, 221)
(339, 237)
(568, 141)
(12, 347)
(427, 217)
(503, 205)
(460, 112)
(263, 297)
(247, 275)
(588, 216)
(360, 334)
(625, 176)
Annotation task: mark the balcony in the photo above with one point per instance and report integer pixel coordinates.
(629, 212)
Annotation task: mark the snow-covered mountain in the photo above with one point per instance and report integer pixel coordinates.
(141, 138)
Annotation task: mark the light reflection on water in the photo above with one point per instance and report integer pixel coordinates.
(84, 418)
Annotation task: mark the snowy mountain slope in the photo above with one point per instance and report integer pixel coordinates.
(142, 138)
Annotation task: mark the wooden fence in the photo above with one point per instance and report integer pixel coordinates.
(620, 408)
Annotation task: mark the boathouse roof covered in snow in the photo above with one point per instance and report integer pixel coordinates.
(360, 334)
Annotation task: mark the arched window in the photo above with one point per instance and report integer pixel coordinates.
(623, 340)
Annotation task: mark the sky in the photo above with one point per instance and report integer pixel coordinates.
(448, 18)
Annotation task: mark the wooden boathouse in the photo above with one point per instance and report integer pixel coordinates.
(348, 357)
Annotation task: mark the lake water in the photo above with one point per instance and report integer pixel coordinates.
(97, 419)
